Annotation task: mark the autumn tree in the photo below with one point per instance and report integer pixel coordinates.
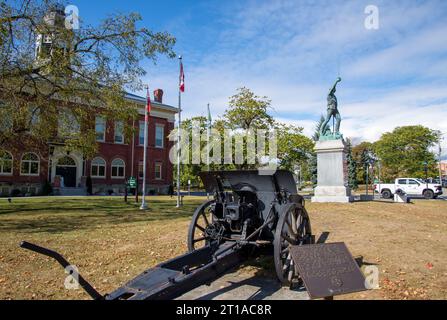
(73, 75)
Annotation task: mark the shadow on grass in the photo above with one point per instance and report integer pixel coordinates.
(68, 215)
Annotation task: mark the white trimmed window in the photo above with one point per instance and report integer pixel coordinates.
(158, 168)
(98, 168)
(100, 128)
(119, 132)
(140, 169)
(141, 134)
(118, 168)
(5, 163)
(159, 135)
(30, 165)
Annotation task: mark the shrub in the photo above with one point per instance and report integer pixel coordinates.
(16, 193)
(47, 189)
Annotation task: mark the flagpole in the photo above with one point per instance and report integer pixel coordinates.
(146, 117)
(208, 129)
(178, 134)
(208, 132)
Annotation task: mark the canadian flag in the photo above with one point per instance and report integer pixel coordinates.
(182, 78)
(148, 103)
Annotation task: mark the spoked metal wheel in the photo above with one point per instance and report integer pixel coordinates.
(201, 218)
(293, 228)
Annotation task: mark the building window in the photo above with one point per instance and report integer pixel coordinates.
(118, 168)
(140, 169)
(141, 134)
(5, 162)
(159, 135)
(30, 165)
(119, 132)
(98, 168)
(158, 167)
(100, 128)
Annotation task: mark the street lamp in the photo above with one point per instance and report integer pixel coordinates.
(425, 163)
(370, 160)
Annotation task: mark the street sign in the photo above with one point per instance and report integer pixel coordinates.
(327, 269)
(132, 183)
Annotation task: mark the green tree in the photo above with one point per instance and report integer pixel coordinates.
(316, 134)
(404, 150)
(294, 148)
(78, 72)
(352, 166)
(312, 163)
(191, 171)
(247, 110)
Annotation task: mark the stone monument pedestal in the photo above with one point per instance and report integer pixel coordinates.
(332, 183)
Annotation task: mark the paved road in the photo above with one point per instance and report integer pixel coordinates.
(239, 286)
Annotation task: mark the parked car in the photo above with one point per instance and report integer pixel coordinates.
(411, 186)
(436, 181)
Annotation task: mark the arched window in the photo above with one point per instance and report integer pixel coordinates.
(30, 165)
(98, 168)
(5, 162)
(66, 162)
(118, 168)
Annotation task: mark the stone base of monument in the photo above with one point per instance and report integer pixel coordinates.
(332, 194)
(332, 185)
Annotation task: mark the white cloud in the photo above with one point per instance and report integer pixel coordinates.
(292, 51)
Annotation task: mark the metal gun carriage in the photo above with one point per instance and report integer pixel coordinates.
(249, 211)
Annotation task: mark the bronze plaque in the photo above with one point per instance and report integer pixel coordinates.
(327, 269)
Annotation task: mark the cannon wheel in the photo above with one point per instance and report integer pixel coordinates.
(200, 220)
(293, 228)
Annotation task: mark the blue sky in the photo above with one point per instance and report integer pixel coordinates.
(292, 51)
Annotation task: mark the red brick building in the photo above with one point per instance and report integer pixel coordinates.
(28, 170)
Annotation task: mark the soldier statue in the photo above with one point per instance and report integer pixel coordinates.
(332, 112)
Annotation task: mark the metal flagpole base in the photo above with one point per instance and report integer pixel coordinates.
(143, 206)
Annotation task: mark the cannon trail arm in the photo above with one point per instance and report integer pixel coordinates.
(64, 263)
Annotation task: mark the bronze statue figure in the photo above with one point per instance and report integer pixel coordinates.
(332, 112)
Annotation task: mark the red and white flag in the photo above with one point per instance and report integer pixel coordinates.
(182, 78)
(148, 103)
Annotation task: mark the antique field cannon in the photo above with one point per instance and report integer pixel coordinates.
(249, 212)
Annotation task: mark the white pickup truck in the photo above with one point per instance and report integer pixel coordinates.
(411, 186)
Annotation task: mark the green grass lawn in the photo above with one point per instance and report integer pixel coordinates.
(65, 214)
(107, 239)
(111, 242)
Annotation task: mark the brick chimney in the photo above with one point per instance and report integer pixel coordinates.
(158, 95)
